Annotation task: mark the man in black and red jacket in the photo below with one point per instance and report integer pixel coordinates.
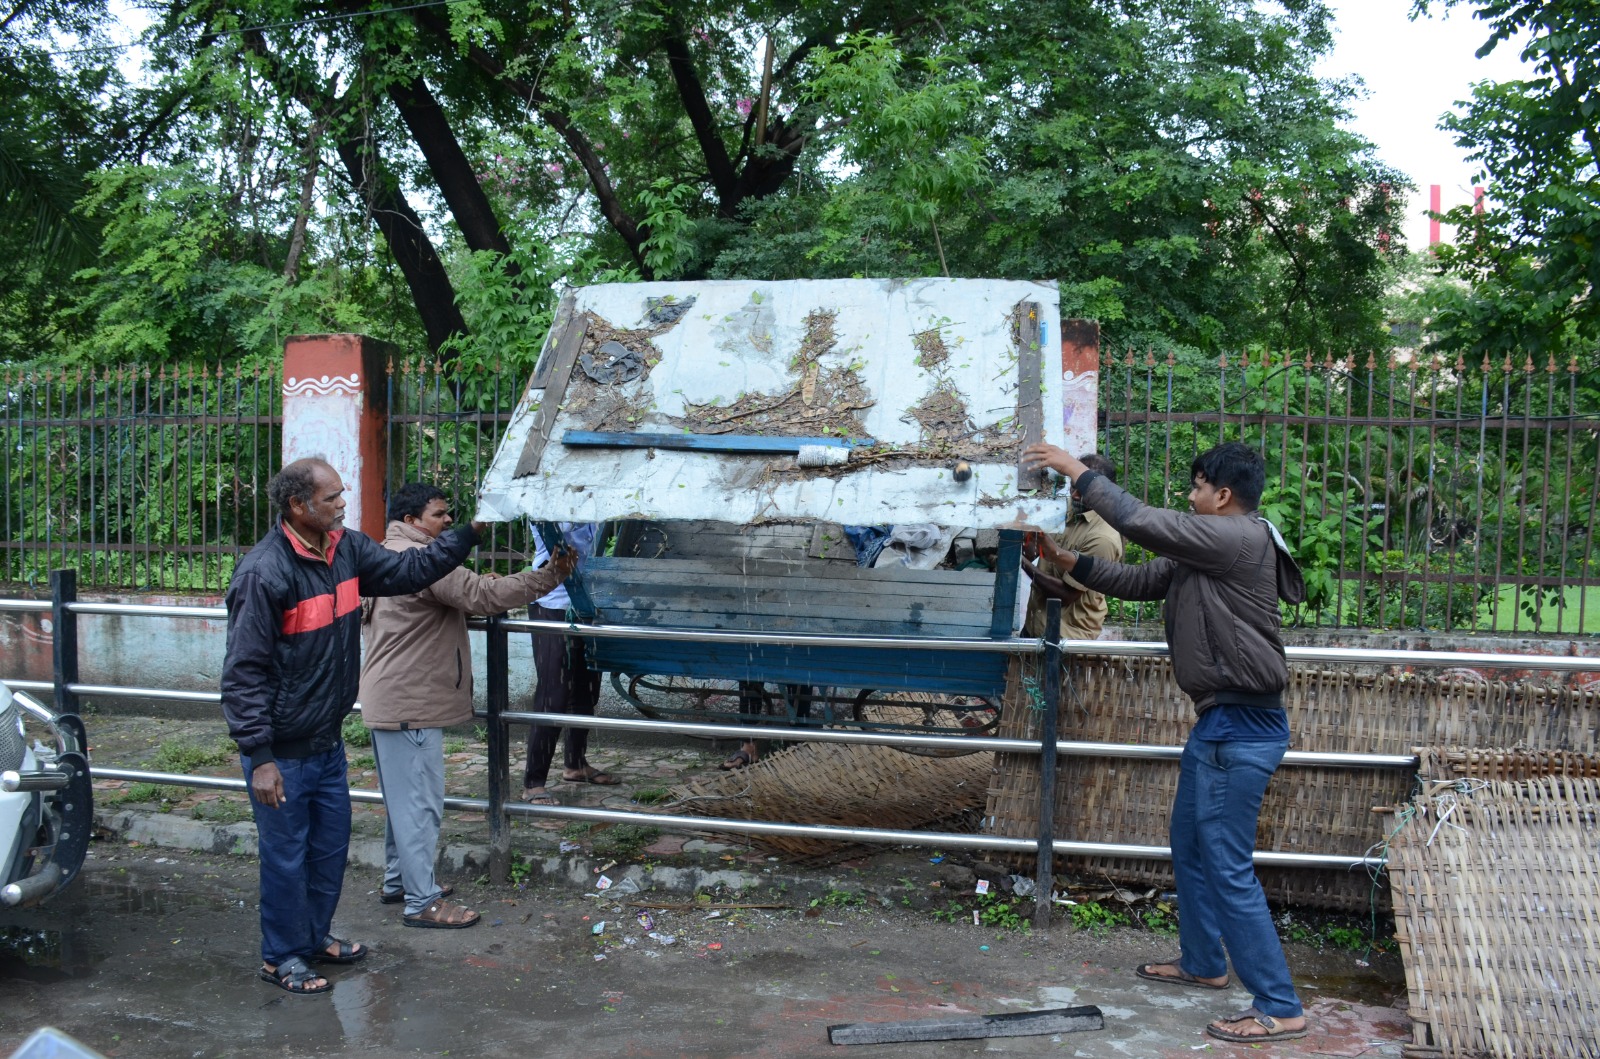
(289, 679)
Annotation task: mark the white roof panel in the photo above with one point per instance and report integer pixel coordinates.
(677, 381)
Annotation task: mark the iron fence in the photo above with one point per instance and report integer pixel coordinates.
(1416, 493)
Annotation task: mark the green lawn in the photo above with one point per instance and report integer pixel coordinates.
(1503, 615)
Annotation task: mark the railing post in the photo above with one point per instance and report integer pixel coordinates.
(498, 699)
(64, 638)
(1044, 878)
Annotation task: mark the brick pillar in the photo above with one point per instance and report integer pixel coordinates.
(335, 405)
(1080, 385)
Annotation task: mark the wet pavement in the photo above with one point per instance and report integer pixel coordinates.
(153, 951)
(151, 954)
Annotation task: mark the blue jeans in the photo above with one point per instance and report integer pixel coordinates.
(303, 845)
(1220, 902)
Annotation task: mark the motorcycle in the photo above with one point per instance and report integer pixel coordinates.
(46, 801)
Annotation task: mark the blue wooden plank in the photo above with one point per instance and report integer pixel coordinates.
(737, 443)
(1007, 569)
(905, 670)
(577, 590)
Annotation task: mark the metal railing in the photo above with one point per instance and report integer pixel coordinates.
(499, 807)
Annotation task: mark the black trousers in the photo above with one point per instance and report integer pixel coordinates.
(566, 685)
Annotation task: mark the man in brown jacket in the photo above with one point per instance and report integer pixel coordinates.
(416, 681)
(1221, 571)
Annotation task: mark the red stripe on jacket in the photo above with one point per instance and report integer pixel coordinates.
(319, 612)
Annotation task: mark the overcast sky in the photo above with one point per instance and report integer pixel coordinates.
(1414, 72)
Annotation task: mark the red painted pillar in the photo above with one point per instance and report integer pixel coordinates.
(335, 405)
(1477, 200)
(1433, 222)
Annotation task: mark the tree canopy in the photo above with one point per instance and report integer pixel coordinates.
(1531, 259)
(429, 172)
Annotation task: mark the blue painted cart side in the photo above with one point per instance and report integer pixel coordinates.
(807, 597)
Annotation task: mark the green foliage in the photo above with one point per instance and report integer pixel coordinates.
(455, 745)
(622, 841)
(184, 756)
(652, 795)
(222, 810)
(363, 761)
(838, 899)
(1531, 258)
(354, 731)
(1160, 918)
(148, 792)
(1096, 918)
(998, 910)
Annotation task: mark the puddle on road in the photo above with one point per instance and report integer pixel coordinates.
(42, 953)
(33, 955)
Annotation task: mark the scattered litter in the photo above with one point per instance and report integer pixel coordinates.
(983, 886)
(646, 920)
(717, 914)
(628, 886)
(664, 939)
(603, 883)
(569, 847)
(714, 946)
(162, 860)
(1363, 963)
(974, 917)
(1021, 885)
(935, 860)
(629, 941)
(607, 866)
(983, 948)
(497, 923)
(599, 956)
(599, 928)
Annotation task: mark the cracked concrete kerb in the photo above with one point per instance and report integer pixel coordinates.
(468, 861)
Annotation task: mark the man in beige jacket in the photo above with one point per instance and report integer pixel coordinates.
(416, 680)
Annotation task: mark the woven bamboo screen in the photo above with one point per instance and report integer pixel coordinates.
(1495, 866)
(1307, 809)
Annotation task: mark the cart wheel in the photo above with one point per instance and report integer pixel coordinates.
(681, 698)
(928, 713)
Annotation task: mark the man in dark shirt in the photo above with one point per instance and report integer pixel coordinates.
(288, 681)
(1221, 570)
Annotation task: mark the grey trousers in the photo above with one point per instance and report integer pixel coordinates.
(411, 774)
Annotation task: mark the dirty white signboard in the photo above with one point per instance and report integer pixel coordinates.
(851, 401)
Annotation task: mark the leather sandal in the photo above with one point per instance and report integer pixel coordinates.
(293, 976)
(442, 915)
(345, 951)
(1275, 1029)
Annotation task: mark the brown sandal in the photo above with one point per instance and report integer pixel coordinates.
(442, 915)
(590, 774)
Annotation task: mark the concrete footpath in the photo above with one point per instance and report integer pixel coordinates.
(696, 948)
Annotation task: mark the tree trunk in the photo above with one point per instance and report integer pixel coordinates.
(431, 132)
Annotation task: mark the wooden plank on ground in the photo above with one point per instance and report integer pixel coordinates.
(562, 358)
(970, 1027)
(1030, 392)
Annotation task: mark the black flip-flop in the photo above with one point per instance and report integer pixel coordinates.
(349, 952)
(292, 975)
(1181, 978)
(386, 897)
